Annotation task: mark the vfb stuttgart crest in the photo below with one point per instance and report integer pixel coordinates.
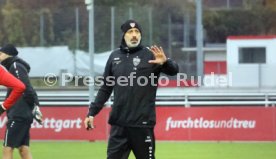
(136, 62)
(132, 25)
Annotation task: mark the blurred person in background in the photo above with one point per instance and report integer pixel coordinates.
(16, 86)
(133, 115)
(21, 114)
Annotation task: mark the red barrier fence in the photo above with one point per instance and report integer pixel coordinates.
(173, 123)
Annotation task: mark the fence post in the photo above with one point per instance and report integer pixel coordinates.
(112, 28)
(187, 105)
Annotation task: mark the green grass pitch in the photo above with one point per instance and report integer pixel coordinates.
(164, 150)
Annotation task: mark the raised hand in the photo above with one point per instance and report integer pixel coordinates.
(159, 55)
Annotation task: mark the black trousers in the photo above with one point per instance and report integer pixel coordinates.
(17, 134)
(124, 139)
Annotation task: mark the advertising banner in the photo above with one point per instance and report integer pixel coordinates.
(173, 123)
(65, 123)
(216, 123)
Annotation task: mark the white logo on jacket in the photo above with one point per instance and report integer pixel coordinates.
(136, 61)
(116, 60)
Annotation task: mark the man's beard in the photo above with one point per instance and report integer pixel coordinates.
(133, 43)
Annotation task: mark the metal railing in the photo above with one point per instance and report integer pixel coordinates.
(168, 97)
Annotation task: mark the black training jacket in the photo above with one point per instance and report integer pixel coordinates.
(134, 105)
(22, 109)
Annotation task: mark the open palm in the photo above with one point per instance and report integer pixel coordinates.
(159, 55)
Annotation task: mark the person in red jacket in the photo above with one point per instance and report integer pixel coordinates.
(8, 80)
(21, 114)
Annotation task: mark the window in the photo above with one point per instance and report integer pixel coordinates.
(252, 55)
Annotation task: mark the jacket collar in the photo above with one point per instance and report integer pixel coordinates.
(9, 61)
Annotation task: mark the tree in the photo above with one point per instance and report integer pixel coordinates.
(12, 24)
(221, 24)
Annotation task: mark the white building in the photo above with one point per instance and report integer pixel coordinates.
(252, 61)
(57, 59)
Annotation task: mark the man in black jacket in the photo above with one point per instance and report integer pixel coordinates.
(132, 117)
(21, 114)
